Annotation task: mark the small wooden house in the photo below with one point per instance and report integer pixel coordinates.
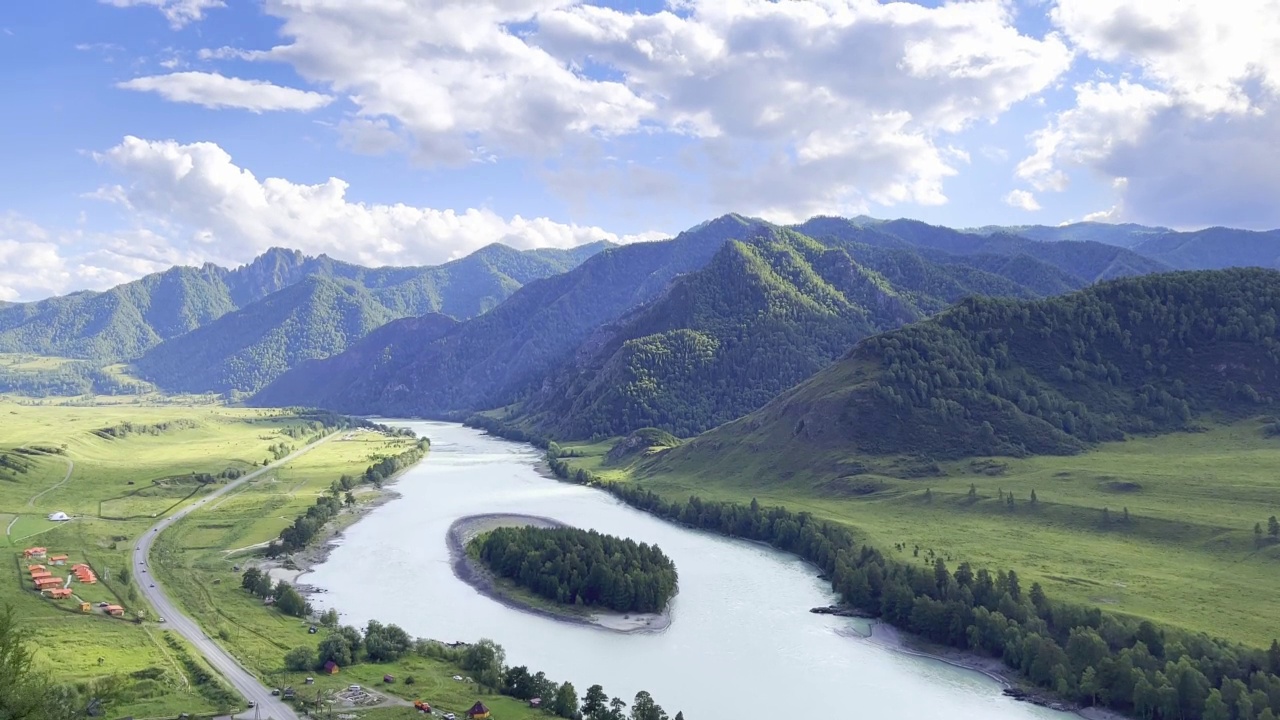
(331, 667)
(38, 574)
(47, 583)
(115, 610)
(34, 552)
(59, 593)
(478, 711)
(57, 559)
(86, 607)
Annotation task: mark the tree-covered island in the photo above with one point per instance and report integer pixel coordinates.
(580, 567)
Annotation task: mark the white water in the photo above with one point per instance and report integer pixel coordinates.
(742, 643)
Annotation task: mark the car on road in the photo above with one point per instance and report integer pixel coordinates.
(450, 716)
(153, 584)
(252, 703)
(160, 620)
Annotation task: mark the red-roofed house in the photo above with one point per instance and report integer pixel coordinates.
(46, 583)
(57, 559)
(34, 552)
(59, 593)
(37, 574)
(33, 568)
(115, 610)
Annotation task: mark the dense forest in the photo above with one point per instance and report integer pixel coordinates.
(580, 567)
(990, 376)
(1084, 654)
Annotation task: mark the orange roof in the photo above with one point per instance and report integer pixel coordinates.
(46, 582)
(35, 567)
(79, 566)
(57, 557)
(60, 592)
(37, 574)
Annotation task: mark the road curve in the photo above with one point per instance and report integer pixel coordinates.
(269, 707)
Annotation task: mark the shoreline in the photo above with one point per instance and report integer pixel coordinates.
(890, 638)
(462, 530)
(305, 560)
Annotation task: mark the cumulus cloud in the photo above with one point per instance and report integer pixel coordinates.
(178, 12)
(213, 90)
(213, 209)
(1023, 200)
(795, 107)
(1192, 128)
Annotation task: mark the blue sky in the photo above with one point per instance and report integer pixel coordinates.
(153, 132)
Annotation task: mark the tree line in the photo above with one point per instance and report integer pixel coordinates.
(484, 660)
(284, 596)
(307, 527)
(581, 567)
(1082, 654)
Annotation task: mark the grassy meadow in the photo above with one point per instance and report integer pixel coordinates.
(114, 488)
(1187, 556)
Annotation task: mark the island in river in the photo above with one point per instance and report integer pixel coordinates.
(472, 571)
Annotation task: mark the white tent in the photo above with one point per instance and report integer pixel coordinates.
(59, 516)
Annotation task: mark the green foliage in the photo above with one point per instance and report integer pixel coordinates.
(769, 310)
(251, 345)
(1137, 667)
(581, 567)
(1143, 354)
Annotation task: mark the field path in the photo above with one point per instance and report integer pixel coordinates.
(71, 466)
(268, 707)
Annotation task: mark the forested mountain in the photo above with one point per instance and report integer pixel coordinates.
(768, 311)
(992, 376)
(1125, 235)
(124, 322)
(1209, 249)
(246, 349)
(760, 309)
(503, 354)
(1088, 262)
(1216, 247)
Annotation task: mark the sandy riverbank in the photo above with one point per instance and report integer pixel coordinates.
(477, 576)
(297, 565)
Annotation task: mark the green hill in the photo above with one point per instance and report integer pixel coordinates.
(124, 322)
(993, 377)
(767, 312)
(246, 349)
(506, 353)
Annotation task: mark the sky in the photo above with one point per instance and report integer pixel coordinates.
(139, 134)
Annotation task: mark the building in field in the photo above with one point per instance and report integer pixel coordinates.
(478, 711)
(114, 610)
(57, 559)
(59, 516)
(59, 593)
(34, 552)
(331, 668)
(48, 583)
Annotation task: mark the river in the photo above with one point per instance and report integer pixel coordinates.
(742, 642)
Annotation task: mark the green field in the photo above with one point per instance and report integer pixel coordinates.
(1187, 557)
(112, 491)
(195, 561)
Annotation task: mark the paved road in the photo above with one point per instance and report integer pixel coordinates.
(268, 706)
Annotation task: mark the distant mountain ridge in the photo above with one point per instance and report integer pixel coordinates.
(1212, 248)
(754, 309)
(124, 322)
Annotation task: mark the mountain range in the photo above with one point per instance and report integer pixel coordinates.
(706, 328)
(683, 334)
(216, 329)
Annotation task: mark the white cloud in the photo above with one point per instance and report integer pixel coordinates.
(1193, 128)
(798, 107)
(218, 91)
(178, 12)
(211, 209)
(1023, 200)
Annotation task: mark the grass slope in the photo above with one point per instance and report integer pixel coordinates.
(115, 488)
(1187, 556)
